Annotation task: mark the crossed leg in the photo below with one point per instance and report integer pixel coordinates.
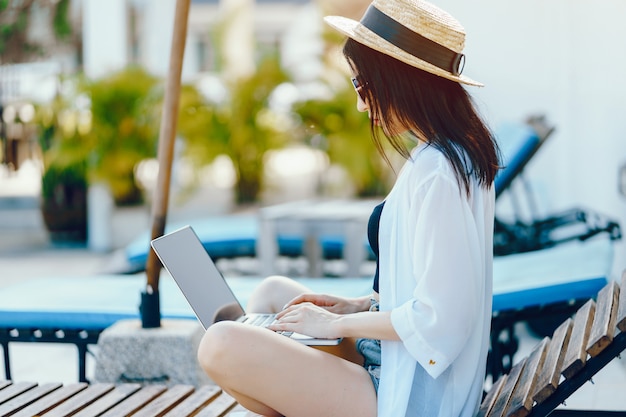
(272, 375)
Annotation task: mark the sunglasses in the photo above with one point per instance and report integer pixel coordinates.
(358, 87)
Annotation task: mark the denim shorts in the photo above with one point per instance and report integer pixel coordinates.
(370, 349)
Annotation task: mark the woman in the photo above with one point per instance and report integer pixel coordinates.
(428, 319)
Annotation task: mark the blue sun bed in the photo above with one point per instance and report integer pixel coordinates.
(526, 230)
(518, 144)
(226, 236)
(541, 288)
(231, 236)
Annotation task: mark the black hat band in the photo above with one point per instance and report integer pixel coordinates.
(412, 42)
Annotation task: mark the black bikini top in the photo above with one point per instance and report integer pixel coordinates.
(372, 236)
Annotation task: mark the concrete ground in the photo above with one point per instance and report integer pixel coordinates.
(25, 253)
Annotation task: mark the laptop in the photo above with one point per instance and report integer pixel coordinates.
(182, 254)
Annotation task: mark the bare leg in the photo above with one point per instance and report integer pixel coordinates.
(271, 295)
(273, 375)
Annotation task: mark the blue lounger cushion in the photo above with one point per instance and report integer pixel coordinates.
(222, 236)
(574, 270)
(232, 236)
(518, 142)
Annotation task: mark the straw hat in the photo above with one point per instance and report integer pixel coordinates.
(412, 31)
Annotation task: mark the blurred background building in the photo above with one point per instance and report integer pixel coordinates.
(561, 58)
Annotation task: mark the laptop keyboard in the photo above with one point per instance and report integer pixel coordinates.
(264, 320)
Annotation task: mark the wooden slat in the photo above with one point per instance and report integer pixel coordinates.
(195, 401)
(621, 312)
(548, 379)
(490, 399)
(4, 384)
(133, 403)
(576, 355)
(17, 403)
(13, 390)
(521, 401)
(166, 401)
(506, 392)
(51, 400)
(218, 407)
(80, 400)
(240, 411)
(109, 400)
(604, 319)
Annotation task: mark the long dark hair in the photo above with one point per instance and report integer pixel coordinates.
(435, 109)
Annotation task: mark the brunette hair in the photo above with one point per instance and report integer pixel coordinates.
(436, 110)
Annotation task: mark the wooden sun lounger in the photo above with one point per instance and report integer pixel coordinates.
(109, 400)
(558, 366)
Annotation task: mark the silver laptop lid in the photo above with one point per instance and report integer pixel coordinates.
(183, 256)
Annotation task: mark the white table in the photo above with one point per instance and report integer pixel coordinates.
(313, 219)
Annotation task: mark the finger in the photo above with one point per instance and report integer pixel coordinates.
(277, 327)
(289, 312)
(289, 317)
(297, 307)
(283, 325)
(302, 298)
(283, 312)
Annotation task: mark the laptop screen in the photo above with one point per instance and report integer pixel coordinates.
(197, 276)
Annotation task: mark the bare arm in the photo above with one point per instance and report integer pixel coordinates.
(314, 320)
(368, 324)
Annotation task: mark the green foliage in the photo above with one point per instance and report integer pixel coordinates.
(60, 22)
(116, 128)
(348, 139)
(14, 23)
(251, 131)
(124, 129)
(60, 139)
(243, 127)
(203, 126)
(13, 33)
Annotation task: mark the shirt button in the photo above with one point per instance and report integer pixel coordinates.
(431, 362)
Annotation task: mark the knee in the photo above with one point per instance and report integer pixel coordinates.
(267, 296)
(274, 284)
(217, 348)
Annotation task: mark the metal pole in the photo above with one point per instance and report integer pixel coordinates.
(150, 308)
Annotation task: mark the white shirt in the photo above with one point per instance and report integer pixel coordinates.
(436, 246)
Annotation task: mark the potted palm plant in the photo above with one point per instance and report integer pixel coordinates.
(64, 202)
(64, 178)
(94, 132)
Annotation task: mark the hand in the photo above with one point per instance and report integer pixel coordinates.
(333, 304)
(309, 319)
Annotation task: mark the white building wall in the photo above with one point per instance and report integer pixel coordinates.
(238, 39)
(563, 58)
(105, 36)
